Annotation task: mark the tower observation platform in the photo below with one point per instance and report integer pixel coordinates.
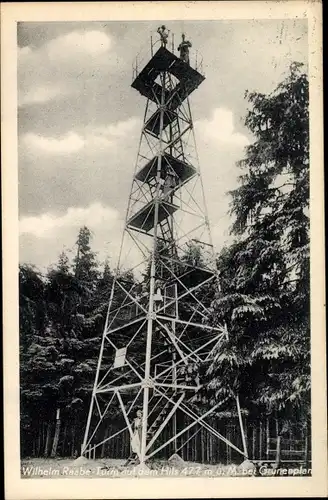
(188, 79)
(157, 337)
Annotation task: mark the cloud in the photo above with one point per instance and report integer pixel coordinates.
(45, 225)
(40, 94)
(70, 45)
(110, 135)
(85, 90)
(99, 138)
(220, 129)
(120, 129)
(69, 143)
(92, 43)
(23, 52)
(42, 71)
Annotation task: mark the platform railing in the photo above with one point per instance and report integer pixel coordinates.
(148, 49)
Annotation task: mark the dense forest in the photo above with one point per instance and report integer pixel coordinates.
(263, 296)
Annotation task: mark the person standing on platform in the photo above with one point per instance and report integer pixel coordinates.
(183, 48)
(164, 34)
(169, 183)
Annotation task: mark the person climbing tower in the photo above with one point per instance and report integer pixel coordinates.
(169, 183)
(164, 34)
(158, 297)
(183, 48)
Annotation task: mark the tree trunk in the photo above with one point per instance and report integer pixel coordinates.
(202, 437)
(215, 444)
(73, 441)
(254, 442)
(208, 452)
(102, 452)
(261, 441)
(267, 438)
(193, 445)
(43, 436)
(181, 441)
(278, 443)
(39, 439)
(277, 428)
(188, 445)
(48, 440)
(228, 449)
(210, 448)
(278, 451)
(56, 437)
(306, 447)
(79, 433)
(64, 440)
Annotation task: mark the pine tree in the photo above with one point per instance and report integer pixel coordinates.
(59, 349)
(32, 324)
(63, 263)
(86, 266)
(264, 297)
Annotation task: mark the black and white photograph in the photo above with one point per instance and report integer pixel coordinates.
(165, 252)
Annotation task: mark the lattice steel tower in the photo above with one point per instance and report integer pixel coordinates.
(156, 335)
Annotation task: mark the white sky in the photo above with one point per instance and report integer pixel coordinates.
(79, 120)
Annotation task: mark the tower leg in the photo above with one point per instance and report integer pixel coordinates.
(86, 433)
(242, 428)
(174, 380)
(152, 288)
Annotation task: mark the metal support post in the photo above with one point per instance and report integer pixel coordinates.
(152, 288)
(242, 427)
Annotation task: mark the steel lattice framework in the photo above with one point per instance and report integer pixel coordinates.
(156, 325)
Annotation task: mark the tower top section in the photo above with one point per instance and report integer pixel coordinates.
(179, 47)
